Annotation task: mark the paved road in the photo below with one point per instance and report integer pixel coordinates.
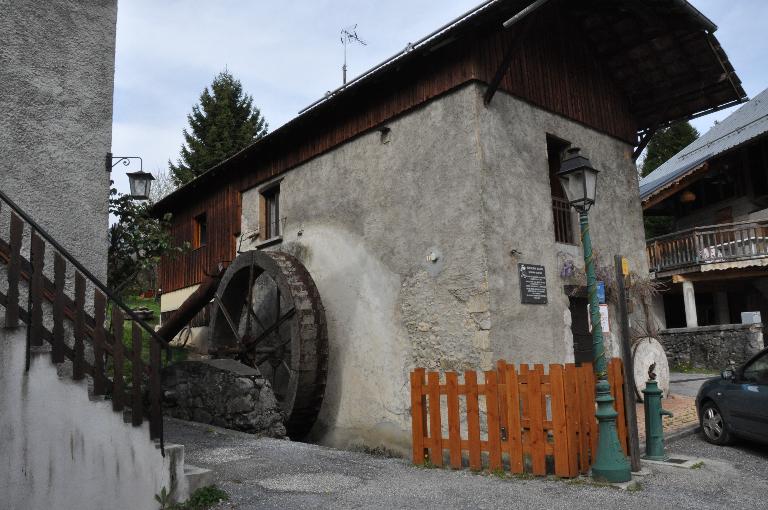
(274, 474)
(687, 383)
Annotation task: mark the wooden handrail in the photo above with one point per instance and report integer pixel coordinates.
(110, 378)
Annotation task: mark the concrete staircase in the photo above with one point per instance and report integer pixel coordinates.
(75, 432)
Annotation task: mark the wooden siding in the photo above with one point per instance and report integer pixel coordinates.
(550, 70)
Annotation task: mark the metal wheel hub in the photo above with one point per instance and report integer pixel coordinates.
(269, 315)
(712, 423)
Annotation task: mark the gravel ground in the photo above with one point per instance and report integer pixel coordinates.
(267, 473)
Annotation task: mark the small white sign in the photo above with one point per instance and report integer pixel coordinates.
(605, 324)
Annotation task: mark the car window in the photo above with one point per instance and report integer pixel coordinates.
(757, 371)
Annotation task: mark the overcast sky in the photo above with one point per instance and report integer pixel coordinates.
(288, 54)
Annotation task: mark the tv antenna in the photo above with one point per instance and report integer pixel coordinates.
(349, 36)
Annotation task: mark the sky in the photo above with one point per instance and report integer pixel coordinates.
(287, 54)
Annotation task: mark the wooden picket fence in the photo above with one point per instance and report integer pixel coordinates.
(523, 421)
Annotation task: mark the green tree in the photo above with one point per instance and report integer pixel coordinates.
(136, 243)
(666, 143)
(224, 122)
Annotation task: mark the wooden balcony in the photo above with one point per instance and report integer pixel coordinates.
(712, 244)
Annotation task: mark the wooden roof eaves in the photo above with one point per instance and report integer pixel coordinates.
(675, 186)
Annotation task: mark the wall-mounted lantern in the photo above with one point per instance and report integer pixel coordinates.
(140, 182)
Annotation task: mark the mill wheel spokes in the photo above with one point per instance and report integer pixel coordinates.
(269, 315)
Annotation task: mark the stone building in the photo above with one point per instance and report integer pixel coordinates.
(415, 194)
(713, 195)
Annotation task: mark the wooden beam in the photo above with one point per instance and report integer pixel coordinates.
(719, 275)
(643, 142)
(673, 188)
(505, 62)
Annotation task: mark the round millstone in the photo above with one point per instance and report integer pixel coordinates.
(645, 352)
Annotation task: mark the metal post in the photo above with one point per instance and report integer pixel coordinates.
(629, 379)
(610, 464)
(654, 427)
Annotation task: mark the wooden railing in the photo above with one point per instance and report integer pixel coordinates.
(710, 244)
(127, 371)
(561, 210)
(520, 419)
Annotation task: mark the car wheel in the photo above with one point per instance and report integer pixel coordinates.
(713, 425)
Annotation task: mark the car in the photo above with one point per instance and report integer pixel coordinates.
(736, 403)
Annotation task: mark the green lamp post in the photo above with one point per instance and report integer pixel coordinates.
(579, 180)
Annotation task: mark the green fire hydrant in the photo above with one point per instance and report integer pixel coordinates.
(654, 429)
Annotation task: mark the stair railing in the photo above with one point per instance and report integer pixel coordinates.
(121, 372)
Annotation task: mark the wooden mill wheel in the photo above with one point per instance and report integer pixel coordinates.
(268, 314)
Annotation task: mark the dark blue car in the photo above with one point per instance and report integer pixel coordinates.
(736, 403)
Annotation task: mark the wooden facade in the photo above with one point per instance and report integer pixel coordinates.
(549, 69)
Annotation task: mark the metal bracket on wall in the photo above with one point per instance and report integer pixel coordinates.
(126, 160)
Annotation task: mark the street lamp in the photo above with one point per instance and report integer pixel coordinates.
(140, 183)
(579, 180)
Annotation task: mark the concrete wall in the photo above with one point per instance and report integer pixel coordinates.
(409, 243)
(370, 213)
(58, 449)
(518, 216)
(56, 80)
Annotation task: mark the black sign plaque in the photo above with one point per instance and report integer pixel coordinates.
(533, 284)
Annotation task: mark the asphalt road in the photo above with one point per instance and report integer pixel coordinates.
(274, 474)
(687, 383)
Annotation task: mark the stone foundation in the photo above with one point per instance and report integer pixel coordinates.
(712, 347)
(222, 392)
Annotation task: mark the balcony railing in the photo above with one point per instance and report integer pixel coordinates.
(561, 210)
(707, 245)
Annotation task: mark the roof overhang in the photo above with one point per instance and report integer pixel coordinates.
(660, 52)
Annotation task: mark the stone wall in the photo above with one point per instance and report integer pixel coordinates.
(712, 347)
(224, 393)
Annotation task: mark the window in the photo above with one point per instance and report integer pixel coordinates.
(757, 371)
(561, 210)
(200, 233)
(271, 213)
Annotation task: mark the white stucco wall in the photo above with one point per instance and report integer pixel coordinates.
(57, 66)
(59, 450)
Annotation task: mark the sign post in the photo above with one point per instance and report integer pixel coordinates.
(622, 270)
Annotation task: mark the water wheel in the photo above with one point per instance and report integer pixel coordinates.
(268, 315)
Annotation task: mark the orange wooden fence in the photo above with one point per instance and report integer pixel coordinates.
(522, 420)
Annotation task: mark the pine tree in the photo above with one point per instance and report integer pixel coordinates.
(224, 122)
(666, 143)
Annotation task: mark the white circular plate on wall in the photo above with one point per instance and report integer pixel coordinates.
(646, 351)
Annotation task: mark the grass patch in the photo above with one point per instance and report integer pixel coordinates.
(174, 354)
(201, 499)
(698, 465)
(687, 368)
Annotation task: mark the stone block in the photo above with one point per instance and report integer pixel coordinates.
(478, 303)
(482, 340)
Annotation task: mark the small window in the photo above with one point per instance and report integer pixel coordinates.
(271, 200)
(561, 209)
(200, 235)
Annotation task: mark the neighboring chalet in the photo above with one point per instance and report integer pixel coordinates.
(715, 262)
(413, 194)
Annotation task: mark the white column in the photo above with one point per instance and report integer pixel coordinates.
(691, 320)
(721, 307)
